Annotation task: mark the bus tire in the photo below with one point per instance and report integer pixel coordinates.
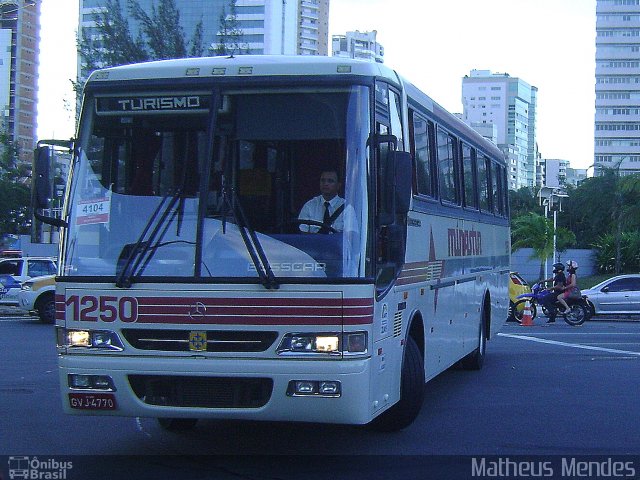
(177, 424)
(475, 359)
(403, 413)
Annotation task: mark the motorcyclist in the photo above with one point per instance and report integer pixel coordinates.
(572, 280)
(559, 284)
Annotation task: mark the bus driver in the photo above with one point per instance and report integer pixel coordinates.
(326, 208)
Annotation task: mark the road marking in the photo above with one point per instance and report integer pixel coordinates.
(572, 345)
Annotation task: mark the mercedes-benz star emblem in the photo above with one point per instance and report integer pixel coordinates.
(198, 311)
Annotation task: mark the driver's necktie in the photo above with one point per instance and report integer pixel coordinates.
(325, 219)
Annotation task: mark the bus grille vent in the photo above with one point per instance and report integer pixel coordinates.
(202, 392)
(397, 324)
(216, 340)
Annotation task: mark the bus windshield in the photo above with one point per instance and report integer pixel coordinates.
(211, 184)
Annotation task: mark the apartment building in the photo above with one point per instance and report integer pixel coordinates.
(617, 118)
(510, 104)
(19, 38)
(359, 45)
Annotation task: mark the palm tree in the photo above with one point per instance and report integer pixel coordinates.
(536, 232)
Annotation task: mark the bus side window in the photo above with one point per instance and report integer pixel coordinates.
(447, 176)
(495, 190)
(421, 152)
(468, 177)
(505, 190)
(483, 183)
(498, 192)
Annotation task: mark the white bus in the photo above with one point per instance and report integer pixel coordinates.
(187, 288)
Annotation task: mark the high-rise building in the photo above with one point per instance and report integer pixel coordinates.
(294, 27)
(359, 45)
(313, 27)
(510, 104)
(617, 120)
(19, 37)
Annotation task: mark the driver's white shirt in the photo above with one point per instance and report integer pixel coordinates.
(314, 210)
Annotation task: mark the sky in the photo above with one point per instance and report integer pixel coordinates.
(549, 44)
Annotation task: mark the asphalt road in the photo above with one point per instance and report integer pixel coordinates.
(544, 390)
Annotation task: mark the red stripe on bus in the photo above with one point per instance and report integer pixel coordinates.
(256, 320)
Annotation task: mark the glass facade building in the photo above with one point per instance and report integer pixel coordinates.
(297, 27)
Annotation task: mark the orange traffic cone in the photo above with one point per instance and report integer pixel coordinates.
(527, 319)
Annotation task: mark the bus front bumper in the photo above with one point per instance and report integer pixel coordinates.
(248, 389)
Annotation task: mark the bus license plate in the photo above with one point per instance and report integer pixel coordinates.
(92, 401)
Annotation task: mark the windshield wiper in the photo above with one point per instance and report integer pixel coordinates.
(251, 241)
(134, 254)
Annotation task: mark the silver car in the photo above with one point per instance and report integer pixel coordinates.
(617, 295)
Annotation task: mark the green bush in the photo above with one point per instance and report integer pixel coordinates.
(629, 250)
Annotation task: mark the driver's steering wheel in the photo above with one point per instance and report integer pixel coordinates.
(297, 222)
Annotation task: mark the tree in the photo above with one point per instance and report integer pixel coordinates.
(160, 36)
(9, 154)
(536, 232)
(523, 201)
(15, 198)
(607, 251)
(162, 29)
(111, 42)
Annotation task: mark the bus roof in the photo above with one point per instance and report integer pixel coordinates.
(242, 66)
(248, 66)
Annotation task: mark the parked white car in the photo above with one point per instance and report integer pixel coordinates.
(617, 295)
(38, 295)
(24, 268)
(21, 269)
(9, 289)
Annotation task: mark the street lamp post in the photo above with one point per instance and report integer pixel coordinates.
(549, 193)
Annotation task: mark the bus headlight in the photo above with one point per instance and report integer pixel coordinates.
(102, 339)
(324, 342)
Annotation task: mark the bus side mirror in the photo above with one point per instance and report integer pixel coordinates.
(42, 178)
(403, 179)
(42, 188)
(397, 183)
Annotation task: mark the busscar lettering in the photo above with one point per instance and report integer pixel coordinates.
(464, 243)
(159, 103)
(292, 267)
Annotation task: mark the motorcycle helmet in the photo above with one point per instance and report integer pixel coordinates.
(572, 265)
(558, 267)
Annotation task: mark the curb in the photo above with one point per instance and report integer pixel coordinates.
(13, 312)
(615, 318)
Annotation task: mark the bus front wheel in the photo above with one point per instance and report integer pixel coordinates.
(403, 413)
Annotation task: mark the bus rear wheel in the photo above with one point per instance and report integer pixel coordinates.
(403, 413)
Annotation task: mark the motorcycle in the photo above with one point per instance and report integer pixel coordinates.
(540, 297)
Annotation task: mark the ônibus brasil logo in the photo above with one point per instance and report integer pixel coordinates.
(38, 469)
